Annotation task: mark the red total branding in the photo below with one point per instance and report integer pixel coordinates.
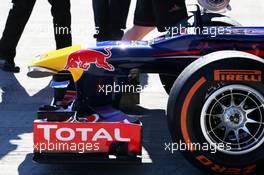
(103, 134)
(69, 134)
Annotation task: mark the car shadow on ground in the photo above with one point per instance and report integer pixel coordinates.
(157, 160)
(17, 111)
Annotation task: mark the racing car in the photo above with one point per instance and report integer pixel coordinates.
(216, 97)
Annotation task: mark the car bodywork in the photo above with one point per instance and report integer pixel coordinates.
(157, 56)
(167, 55)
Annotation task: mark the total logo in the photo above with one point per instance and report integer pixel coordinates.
(67, 134)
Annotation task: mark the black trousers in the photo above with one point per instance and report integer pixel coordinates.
(110, 18)
(18, 18)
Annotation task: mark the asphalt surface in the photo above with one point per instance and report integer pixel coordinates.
(21, 96)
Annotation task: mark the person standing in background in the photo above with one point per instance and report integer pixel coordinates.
(150, 14)
(110, 18)
(17, 20)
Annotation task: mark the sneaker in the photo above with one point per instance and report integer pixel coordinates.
(8, 67)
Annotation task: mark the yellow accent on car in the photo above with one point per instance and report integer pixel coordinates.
(56, 61)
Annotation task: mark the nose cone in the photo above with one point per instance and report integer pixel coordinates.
(55, 60)
(51, 63)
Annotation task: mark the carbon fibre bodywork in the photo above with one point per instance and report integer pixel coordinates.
(172, 54)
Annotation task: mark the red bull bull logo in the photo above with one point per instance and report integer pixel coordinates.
(84, 58)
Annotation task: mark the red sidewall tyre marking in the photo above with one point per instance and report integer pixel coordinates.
(185, 107)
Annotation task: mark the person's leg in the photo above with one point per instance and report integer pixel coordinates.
(101, 19)
(15, 24)
(144, 21)
(61, 12)
(118, 17)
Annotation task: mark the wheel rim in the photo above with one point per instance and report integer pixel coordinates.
(233, 115)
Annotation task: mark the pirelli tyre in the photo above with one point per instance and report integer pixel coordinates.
(216, 110)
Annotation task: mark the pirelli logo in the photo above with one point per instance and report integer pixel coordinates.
(238, 75)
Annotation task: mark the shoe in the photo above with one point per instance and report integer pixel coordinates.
(8, 67)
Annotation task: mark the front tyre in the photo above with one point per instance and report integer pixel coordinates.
(216, 108)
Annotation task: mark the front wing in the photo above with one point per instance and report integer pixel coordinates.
(113, 137)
